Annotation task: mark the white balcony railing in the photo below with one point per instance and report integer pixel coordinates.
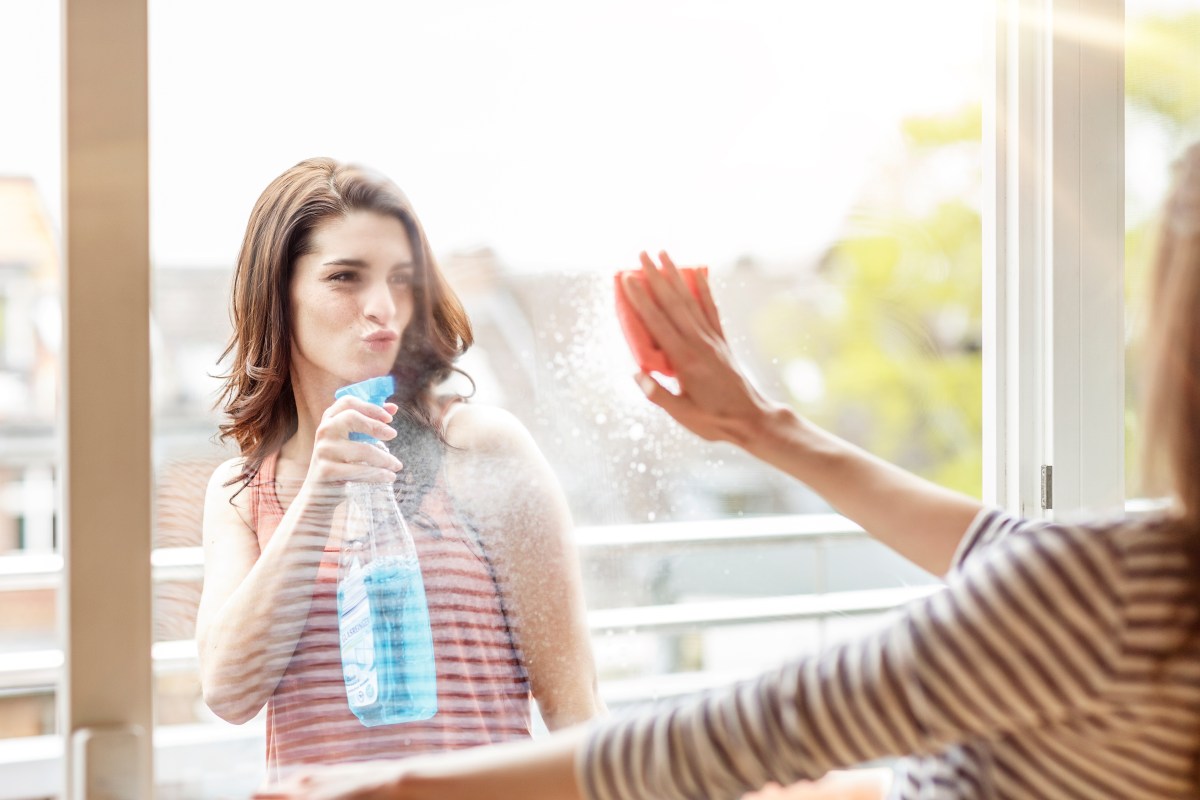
(29, 768)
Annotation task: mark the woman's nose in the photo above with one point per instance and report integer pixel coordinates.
(378, 303)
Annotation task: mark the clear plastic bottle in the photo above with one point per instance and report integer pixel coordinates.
(383, 616)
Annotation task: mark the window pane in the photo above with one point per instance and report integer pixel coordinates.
(1162, 116)
(30, 268)
(824, 162)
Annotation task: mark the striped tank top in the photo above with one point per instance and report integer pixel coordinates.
(483, 689)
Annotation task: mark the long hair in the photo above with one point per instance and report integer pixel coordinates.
(257, 391)
(1171, 445)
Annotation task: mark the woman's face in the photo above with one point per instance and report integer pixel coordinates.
(351, 300)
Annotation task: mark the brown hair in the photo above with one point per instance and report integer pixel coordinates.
(1171, 446)
(257, 388)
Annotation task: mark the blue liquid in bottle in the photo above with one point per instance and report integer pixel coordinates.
(383, 615)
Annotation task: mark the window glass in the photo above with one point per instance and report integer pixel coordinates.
(30, 271)
(824, 163)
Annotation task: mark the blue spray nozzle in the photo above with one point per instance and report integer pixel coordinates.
(373, 390)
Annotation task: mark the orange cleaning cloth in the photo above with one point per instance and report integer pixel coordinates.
(645, 350)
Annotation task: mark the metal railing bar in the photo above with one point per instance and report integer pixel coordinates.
(35, 669)
(752, 610)
(717, 531)
(171, 564)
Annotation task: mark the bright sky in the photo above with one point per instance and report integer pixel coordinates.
(562, 135)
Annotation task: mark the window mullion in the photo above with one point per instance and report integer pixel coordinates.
(105, 701)
(1015, 369)
(1086, 254)
(1054, 367)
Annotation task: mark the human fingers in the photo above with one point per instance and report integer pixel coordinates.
(683, 289)
(660, 327)
(337, 459)
(703, 295)
(679, 407)
(709, 304)
(382, 413)
(339, 421)
(673, 294)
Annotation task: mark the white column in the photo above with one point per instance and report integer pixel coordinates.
(105, 698)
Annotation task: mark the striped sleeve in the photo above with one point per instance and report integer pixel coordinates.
(980, 658)
(990, 525)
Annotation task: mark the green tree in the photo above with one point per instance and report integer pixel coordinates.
(894, 324)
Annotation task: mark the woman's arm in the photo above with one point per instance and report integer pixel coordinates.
(501, 482)
(980, 659)
(543, 769)
(920, 520)
(254, 605)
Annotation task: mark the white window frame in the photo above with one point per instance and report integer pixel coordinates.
(1054, 381)
(1053, 351)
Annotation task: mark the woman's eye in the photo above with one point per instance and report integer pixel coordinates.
(402, 279)
(341, 277)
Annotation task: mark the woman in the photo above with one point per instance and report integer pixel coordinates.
(335, 284)
(1061, 661)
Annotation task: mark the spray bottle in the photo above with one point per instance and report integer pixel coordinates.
(383, 616)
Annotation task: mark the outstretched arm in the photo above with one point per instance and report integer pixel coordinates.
(945, 671)
(918, 519)
(544, 769)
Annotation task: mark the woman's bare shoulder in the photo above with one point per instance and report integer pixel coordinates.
(226, 490)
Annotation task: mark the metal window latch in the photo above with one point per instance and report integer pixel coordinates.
(1047, 486)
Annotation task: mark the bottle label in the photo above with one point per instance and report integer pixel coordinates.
(358, 640)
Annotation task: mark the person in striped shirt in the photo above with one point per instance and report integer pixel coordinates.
(1061, 660)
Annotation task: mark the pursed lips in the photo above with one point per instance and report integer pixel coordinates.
(380, 340)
